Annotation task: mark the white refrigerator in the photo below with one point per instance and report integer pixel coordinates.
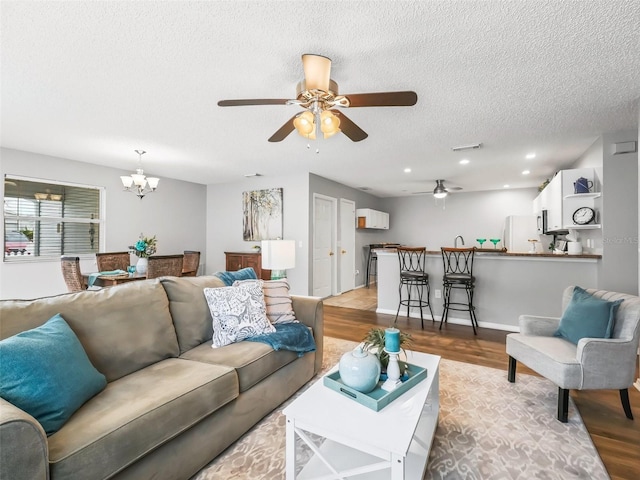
(518, 230)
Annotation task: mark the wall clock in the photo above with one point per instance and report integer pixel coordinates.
(583, 216)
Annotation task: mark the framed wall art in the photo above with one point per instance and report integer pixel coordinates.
(262, 214)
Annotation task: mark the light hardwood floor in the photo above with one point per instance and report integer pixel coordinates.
(616, 438)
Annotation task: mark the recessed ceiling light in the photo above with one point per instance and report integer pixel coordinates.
(530, 156)
(407, 170)
(526, 172)
(506, 185)
(464, 161)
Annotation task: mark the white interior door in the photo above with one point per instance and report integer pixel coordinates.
(324, 242)
(347, 247)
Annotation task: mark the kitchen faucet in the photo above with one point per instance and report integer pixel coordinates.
(455, 241)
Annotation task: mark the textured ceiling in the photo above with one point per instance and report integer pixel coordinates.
(92, 81)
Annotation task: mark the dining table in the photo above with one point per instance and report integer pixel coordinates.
(111, 280)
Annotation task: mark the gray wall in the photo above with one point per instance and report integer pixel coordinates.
(364, 237)
(619, 270)
(176, 214)
(224, 222)
(418, 221)
(619, 267)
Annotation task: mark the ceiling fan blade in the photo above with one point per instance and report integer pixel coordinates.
(350, 129)
(383, 99)
(283, 131)
(317, 71)
(253, 101)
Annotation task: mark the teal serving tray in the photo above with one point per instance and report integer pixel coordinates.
(376, 399)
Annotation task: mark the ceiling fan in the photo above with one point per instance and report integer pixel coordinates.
(318, 96)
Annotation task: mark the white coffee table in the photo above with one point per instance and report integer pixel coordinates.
(361, 443)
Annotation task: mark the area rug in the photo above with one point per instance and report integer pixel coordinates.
(488, 429)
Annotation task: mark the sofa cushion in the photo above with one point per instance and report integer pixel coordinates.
(189, 309)
(137, 413)
(587, 317)
(122, 328)
(45, 372)
(553, 358)
(252, 361)
(237, 313)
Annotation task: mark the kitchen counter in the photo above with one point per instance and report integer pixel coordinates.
(502, 253)
(507, 285)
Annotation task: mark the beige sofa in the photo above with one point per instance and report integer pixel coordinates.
(172, 403)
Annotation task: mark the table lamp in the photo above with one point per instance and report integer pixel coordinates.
(278, 256)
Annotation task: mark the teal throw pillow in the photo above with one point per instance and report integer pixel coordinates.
(587, 317)
(46, 372)
(243, 274)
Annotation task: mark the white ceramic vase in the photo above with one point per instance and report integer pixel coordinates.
(359, 370)
(141, 266)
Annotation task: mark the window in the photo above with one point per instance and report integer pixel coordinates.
(47, 219)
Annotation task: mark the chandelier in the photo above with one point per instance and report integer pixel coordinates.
(137, 183)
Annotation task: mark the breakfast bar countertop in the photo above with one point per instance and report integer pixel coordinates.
(504, 253)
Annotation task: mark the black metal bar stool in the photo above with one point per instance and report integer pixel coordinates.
(413, 277)
(372, 262)
(458, 274)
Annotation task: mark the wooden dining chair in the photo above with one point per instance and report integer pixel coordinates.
(191, 263)
(72, 274)
(165, 266)
(109, 261)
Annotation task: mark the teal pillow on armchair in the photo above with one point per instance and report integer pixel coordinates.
(587, 317)
(46, 372)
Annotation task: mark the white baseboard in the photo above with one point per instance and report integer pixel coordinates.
(456, 321)
(637, 384)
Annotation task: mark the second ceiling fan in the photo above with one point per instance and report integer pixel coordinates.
(318, 96)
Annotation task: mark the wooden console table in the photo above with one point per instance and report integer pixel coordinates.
(238, 260)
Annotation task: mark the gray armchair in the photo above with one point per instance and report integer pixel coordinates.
(594, 363)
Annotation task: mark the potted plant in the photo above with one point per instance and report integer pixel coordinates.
(375, 341)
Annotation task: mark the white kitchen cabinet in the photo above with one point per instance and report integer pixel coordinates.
(553, 201)
(560, 201)
(369, 218)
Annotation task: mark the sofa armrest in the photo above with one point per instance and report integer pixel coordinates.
(309, 310)
(24, 452)
(607, 363)
(538, 326)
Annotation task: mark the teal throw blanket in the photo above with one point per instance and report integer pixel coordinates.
(295, 337)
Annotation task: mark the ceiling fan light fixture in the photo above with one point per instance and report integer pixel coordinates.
(329, 123)
(440, 191)
(304, 123)
(317, 70)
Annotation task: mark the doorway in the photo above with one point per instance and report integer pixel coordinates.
(347, 247)
(324, 245)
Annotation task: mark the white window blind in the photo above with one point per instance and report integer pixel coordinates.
(44, 219)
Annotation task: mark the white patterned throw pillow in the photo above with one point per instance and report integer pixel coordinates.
(238, 313)
(277, 300)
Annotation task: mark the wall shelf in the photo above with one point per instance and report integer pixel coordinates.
(584, 195)
(583, 227)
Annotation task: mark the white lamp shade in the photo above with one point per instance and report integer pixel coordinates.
(278, 254)
(153, 182)
(127, 181)
(139, 179)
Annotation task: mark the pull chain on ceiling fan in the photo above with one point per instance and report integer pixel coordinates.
(318, 95)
